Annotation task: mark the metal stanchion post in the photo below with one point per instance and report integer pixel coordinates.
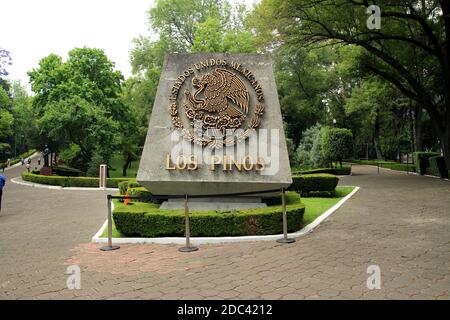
(285, 239)
(188, 247)
(378, 167)
(110, 246)
(351, 169)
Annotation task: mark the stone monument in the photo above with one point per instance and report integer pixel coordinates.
(216, 128)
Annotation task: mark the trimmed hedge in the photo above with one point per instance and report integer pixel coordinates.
(124, 185)
(310, 184)
(438, 166)
(67, 171)
(90, 182)
(146, 220)
(336, 171)
(421, 161)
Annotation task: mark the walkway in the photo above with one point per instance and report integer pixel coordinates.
(396, 221)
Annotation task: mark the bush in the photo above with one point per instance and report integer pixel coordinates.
(310, 184)
(336, 171)
(124, 185)
(421, 161)
(309, 151)
(140, 192)
(146, 220)
(89, 182)
(438, 166)
(337, 144)
(67, 171)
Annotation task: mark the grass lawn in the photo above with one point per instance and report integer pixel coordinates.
(117, 162)
(314, 208)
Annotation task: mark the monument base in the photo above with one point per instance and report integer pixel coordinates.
(46, 171)
(218, 204)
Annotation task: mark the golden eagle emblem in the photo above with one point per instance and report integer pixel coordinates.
(220, 100)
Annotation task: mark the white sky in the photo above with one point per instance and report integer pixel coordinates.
(32, 29)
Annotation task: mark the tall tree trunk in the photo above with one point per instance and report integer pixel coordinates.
(376, 139)
(126, 165)
(418, 129)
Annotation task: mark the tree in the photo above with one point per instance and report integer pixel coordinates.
(411, 50)
(77, 102)
(309, 151)
(337, 144)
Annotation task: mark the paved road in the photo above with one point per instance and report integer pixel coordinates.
(397, 222)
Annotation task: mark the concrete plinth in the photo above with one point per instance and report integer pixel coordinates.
(218, 204)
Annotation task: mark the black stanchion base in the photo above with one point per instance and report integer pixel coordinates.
(187, 249)
(287, 240)
(109, 248)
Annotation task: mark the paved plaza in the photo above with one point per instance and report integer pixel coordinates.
(396, 221)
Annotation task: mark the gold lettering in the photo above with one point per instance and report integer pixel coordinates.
(192, 163)
(168, 167)
(247, 163)
(214, 160)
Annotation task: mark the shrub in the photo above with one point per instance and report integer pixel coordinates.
(94, 166)
(139, 192)
(89, 182)
(309, 151)
(291, 197)
(337, 144)
(438, 166)
(146, 220)
(124, 185)
(309, 183)
(67, 171)
(421, 161)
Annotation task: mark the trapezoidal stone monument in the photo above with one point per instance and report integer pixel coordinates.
(215, 128)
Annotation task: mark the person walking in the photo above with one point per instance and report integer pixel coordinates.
(28, 167)
(29, 160)
(22, 160)
(39, 161)
(8, 162)
(2, 185)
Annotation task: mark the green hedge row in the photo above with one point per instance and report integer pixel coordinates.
(146, 220)
(421, 161)
(19, 158)
(67, 171)
(336, 171)
(90, 182)
(312, 184)
(438, 166)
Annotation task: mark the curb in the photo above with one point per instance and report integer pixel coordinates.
(18, 180)
(406, 172)
(215, 240)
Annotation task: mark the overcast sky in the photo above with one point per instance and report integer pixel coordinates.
(32, 29)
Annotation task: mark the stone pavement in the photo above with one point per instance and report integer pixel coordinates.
(396, 221)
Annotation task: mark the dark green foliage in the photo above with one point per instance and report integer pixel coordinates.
(421, 160)
(291, 197)
(309, 184)
(124, 185)
(336, 171)
(438, 166)
(146, 220)
(337, 144)
(67, 171)
(90, 182)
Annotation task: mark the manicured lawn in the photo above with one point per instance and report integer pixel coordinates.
(314, 208)
(117, 162)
